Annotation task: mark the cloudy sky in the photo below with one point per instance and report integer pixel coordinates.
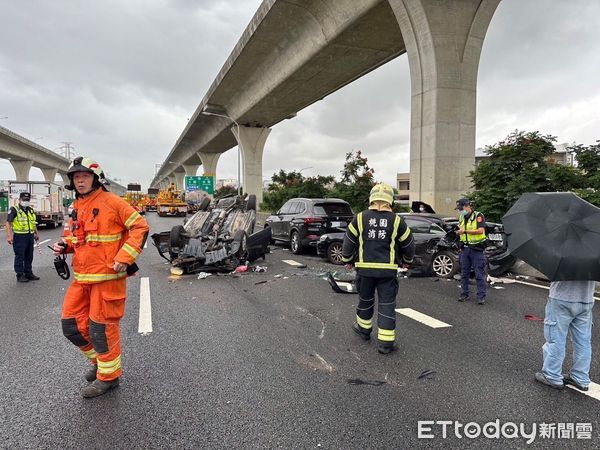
(120, 78)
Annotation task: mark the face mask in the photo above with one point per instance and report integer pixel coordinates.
(25, 204)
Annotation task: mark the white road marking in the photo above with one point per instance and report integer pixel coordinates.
(291, 262)
(594, 390)
(542, 286)
(423, 318)
(328, 367)
(43, 242)
(146, 244)
(145, 322)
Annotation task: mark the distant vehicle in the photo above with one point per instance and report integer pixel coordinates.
(302, 221)
(436, 246)
(170, 202)
(217, 239)
(135, 197)
(150, 201)
(46, 200)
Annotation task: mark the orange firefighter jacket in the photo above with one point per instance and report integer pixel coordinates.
(106, 229)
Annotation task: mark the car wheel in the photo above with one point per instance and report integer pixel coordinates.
(51, 224)
(176, 236)
(334, 253)
(272, 241)
(242, 238)
(204, 204)
(295, 245)
(444, 265)
(251, 203)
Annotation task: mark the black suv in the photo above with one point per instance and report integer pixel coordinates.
(302, 221)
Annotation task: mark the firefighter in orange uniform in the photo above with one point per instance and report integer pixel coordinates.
(106, 236)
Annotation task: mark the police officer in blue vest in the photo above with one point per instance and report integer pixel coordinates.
(21, 232)
(376, 242)
(473, 242)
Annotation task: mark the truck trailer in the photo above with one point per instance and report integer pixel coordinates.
(46, 200)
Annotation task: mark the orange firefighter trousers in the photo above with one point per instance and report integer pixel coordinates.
(90, 319)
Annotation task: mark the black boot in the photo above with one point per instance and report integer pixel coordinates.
(32, 277)
(21, 278)
(386, 347)
(98, 388)
(90, 375)
(364, 334)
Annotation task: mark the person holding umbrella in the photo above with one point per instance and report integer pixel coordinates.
(558, 234)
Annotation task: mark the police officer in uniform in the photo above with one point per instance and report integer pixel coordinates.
(473, 242)
(375, 241)
(21, 232)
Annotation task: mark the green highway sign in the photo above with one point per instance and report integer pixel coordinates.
(206, 184)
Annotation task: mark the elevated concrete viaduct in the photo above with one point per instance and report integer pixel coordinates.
(296, 52)
(24, 154)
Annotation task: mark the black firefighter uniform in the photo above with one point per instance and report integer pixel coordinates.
(376, 241)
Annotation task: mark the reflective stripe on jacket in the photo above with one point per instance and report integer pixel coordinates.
(375, 241)
(24, 222)
(473, 222)
(109, 230)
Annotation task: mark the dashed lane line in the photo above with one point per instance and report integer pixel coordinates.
(593, 391)
(423, 318)
(145, 320)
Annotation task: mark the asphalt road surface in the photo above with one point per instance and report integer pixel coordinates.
(268, 360)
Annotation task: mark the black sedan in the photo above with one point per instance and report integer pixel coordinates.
(436, 244)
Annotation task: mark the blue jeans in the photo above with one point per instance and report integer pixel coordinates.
(562, 317)
(475, 259)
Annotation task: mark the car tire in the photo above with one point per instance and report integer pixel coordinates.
(204, 204)
(242, 237)
(251, 203)
(51, 224)
(176, 236)
(444, 265)
(295, 244)
(272, 241)
(334, 253)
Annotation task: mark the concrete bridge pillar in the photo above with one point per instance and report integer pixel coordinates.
(65, 179)
(179, 180)
(209, 163)
(252, 143)
(443, 42)
(190, 169)
(21, 169)
(49, 174)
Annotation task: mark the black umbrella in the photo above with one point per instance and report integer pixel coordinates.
(416, 205)
(558, 233)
